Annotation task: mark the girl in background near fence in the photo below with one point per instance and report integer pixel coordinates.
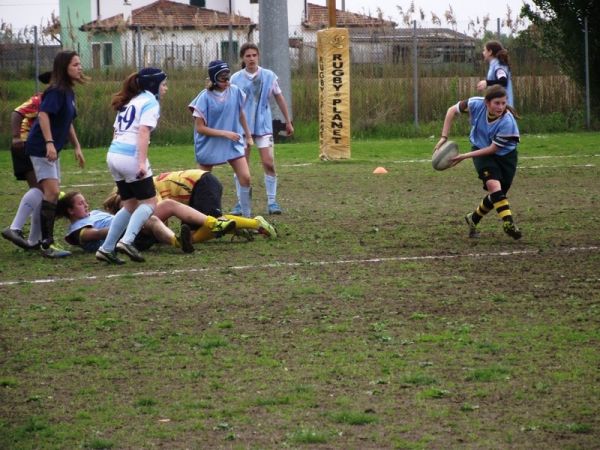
(220, 126)
(494, 138)
(49, 134)
(499, 71)
(138, 111)
(259, 85)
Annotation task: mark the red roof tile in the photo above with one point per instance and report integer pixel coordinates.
(318, 17)
(168, 14)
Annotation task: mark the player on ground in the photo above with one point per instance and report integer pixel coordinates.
(88, 229)
(259, 85)
(494, 138)
(22, 119)
(202, 191)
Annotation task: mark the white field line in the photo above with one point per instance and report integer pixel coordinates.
(72, 186)
(410, 161)
(299, 264)
(406, 161)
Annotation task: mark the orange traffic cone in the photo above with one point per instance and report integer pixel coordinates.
(380, 170)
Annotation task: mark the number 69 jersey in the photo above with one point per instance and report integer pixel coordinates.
(143, 109)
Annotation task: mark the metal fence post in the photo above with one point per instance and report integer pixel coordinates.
(415, 74)
(37, 58)
(230, 55)
(139, 47)
(587, 74)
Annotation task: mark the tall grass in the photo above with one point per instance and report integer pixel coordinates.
(381, 107)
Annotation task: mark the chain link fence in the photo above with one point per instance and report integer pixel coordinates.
(383, 81)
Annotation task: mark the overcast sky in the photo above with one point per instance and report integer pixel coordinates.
(21, 13)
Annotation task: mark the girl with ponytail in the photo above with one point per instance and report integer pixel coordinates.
(138, 110)
(499, 71)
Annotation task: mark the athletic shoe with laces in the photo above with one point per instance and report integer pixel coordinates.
(185, 239)
(223, 226)
(473, 230)
(54, 251)
(274, 208)
(512, 230)
(109, 257)
(265, 228)
(130, 251)
(17, 238)
(236, 210)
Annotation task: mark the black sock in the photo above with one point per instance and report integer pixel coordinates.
(484, 207)
(47, 215)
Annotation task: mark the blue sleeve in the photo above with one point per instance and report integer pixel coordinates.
(52, 101)
(199, 103)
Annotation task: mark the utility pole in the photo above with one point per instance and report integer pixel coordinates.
(274, 47)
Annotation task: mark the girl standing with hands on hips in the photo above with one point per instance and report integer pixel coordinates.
(50, 132)
(138, 111)
(494, 138)
(499, 71)
(219, 129)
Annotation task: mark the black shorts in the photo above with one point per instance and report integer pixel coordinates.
(206, 195)
(144, 241)
(141, 189)
(494, 167)
(21, 162)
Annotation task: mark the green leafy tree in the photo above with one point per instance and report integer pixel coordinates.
(557, 30)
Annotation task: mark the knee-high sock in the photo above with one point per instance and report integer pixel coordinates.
(271, 188)
(502, 206)
(237, 187)
(47, 217)
(139, 217)
(116, 230)
(243, 222)
(484, 207)
(204, 233)
(30, 201)
(245, 201)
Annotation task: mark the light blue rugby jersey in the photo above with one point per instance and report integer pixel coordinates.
(496, 68)
(220, 110)
(503, 131)
(258, 90)
(97, 219)
(143, 109)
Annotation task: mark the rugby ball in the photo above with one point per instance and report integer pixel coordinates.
(442, 156)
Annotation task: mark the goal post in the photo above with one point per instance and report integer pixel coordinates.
(333, 53)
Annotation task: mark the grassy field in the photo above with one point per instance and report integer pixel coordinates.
(372, 322)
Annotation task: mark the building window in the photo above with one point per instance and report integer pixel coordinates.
(96, 50)
(225, 50)
(200, 3)
(107, 53)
